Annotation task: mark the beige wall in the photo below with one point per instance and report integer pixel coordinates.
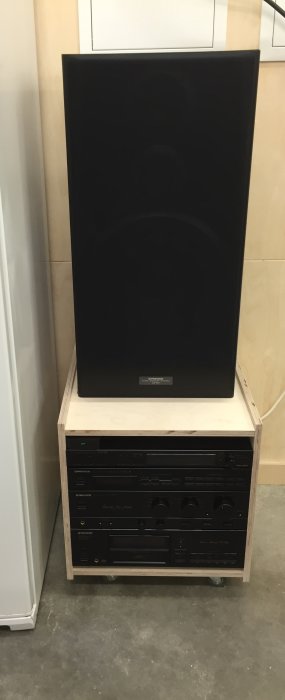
(262, 326)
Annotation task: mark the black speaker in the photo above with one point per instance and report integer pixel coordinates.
(159, 153)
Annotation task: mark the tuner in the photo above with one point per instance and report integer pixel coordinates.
(160, 504)
(223, 504)
(189, 504)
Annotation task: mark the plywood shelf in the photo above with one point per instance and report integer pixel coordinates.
(134, 416)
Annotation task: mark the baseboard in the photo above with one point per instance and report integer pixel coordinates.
(21, 623)
(271, 473)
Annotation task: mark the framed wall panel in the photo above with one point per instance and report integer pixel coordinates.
(145, 25)
(272, 34)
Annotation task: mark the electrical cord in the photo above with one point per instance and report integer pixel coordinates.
(276, 7)
(270, 410)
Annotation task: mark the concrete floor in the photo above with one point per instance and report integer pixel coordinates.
(157, 639)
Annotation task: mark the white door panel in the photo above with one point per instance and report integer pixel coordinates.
(152, 25)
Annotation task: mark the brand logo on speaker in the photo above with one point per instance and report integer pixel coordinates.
(155, 381)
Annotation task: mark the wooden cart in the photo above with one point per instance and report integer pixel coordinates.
(236, 417)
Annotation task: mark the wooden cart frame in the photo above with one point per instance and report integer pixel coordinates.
(236, 417)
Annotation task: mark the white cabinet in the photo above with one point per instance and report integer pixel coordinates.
(29, 479)
(152, 25)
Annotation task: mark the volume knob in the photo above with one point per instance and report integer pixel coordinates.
(223, 504)
(160, 505)
(189, 505)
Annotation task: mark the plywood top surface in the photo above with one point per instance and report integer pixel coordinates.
(133, 416)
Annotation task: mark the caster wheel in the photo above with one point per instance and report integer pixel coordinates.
(217, 581)
(111, 579)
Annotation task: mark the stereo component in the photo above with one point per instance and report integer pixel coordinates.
(193, 549)
(158, 501)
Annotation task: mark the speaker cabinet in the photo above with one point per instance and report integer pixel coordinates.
(159, 152)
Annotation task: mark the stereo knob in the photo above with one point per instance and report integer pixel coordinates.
(189, 505)
(223, 504)
(229, 459)
(160, 505)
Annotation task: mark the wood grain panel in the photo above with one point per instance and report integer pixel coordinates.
(57, 33)
(64, 318)
(261, 347)
(266, 211)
